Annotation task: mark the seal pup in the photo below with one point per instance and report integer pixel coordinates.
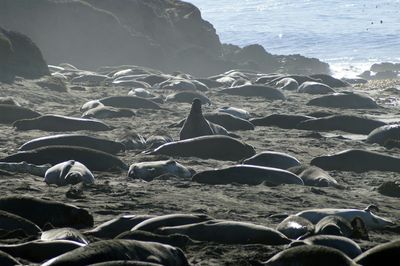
(95, 160)
(347, 100)
(121, 249)
(238, 112)
(57, 213)
(315, 176)
(370, 220)
(386, 252)
(346, 123)
(175, 240)
(77, 140)
(65, 233)
(60, 123)
(358, 161)
(196, 125)
(12, 113)
(229, 232)
(247, 174)
(312, 87)
(273, 159)
(116, 226)
(207, 147)
(150, 170)
(310, 255)
(69, 172)
(256, 90)
(101, 112)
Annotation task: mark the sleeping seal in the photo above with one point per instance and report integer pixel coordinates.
(256, 90)
(150, 170)
(273, 159)
(69, 172)
(345, 100)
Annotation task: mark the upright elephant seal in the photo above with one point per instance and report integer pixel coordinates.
(310, 255)
(380, 254)
(247, 174)
(347, 100)
(383, 134)
(370, 220)
(41, 211)
(256, 90)
(60, 123)
(358, 161)
(77, 140)
(150, 170)
(121, 249)
(207, 147)
(69, 172)
(229, 232)
(273, 159)
(93, 159)
(12, 113)
(196, 125)
(346, 123)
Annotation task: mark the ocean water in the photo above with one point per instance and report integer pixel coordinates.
(350, 35)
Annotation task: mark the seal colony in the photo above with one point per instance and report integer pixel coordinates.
(171, 169)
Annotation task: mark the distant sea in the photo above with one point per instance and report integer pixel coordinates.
(350, 35)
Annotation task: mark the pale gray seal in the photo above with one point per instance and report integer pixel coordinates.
(310, 255)
(60, 123)
(348, 100)
(95, 160)
(256, 90)
(370, 220)
(314, 176)
(69, 172)
(141, 92)
(207, 147)
(358, 161)
(150, 170)
(12, 113)
(347, 123)
(288, 84)
(229, 232)
(238, 112)
(273, 159)
(65, 233)
(78, 140)
(312, 87)
(247, 174)
(40, 211)
(295, 226)
(101, 112)
(121, 249)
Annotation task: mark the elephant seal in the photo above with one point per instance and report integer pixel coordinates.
(175, 240)
(344, 244)
(130, 102)
(188, 97)
(370, 220)
(339, 226)
(247, 174)
(273, 159)
(390, 189)
(358, 161)
(125, 263)
(141, 92)
(60, 123)
(331, 81)
(348, 100)
(12, 113)
(314, 176)
(78, 140)
(229, 232)
(177, 84)
(295, 226)
(39, 251)
(310, 255)
(11, 222)
(121, 249)
(287, 84)
(101, 112)
(346, 123)
(383, 134)
(153, 224)
(57, 213)
(93, 159)
(117, 226)
(24, 167)
(69, 172)
(158, 139)
(384, 252)
(207, 147)
(150, 170)
(256, 90)
(280, 120)
(241, 113)
(7, 260)
(65, 233)
(312, 87)
(196, 125)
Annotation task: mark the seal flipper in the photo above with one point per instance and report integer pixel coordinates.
(67, 166)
